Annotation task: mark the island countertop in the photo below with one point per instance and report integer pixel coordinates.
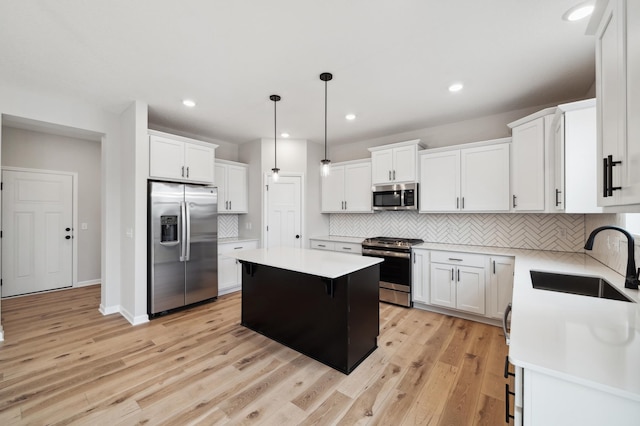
(321, 263)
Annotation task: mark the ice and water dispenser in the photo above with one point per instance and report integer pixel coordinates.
(168, 229)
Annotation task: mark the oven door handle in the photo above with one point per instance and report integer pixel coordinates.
(385, 253)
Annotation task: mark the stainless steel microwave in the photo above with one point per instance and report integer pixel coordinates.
(400, 196)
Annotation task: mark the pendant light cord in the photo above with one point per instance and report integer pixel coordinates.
(275, 139)
(325, 119)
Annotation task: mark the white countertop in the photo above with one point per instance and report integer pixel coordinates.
(586, 340)
(230, 240)
(339, 239)
(321, 263)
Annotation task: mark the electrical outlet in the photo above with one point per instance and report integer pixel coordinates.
(562, 233)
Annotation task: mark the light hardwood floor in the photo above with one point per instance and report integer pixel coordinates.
(64, 363)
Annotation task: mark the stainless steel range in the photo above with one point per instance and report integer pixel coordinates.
(395, 271)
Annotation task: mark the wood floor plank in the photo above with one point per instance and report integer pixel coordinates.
(64, 363)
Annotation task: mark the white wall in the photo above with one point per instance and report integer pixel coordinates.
(59, 110)
(46, 151)
(294, 156)
(474, 130)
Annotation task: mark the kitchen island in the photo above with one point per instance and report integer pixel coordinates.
(322, 304)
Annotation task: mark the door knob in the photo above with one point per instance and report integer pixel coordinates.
(297, 236)
(68, 237)
(67, 229)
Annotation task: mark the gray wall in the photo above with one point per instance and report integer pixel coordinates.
(36, 150)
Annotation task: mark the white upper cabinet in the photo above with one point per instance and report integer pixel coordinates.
(347, 189)
(395, 163)
(181, 159)
(575, 188)
(528, 161)
(474, 179)
(231, 180)
(618, 102)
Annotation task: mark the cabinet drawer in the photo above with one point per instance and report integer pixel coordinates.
(456, 258)
(322, 245)
(348, 247)
(240, 245)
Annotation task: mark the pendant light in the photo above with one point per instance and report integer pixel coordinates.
(275, 170)
(326, 163)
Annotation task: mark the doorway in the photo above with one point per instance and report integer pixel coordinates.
(283, 212)
(38, 230)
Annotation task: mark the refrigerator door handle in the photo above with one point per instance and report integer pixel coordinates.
(187, 241)
(183, 231)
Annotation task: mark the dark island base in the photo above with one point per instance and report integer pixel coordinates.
(334, 321)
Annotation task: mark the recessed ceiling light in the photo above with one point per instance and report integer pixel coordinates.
(579, 11)
(189, 103)
(284, 135)
(456, 87)
(350, 116)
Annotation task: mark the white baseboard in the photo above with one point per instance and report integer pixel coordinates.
(140, 319)
(1, 334)
(88, 282)
(229, 290)
(109, 310)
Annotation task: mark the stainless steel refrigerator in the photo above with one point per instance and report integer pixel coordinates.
(182, 245)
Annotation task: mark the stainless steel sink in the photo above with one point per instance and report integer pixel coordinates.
(577, 284)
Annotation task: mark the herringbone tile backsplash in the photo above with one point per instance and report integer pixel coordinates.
(559, 232)
(227, 225)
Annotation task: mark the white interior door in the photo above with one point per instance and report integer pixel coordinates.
(37, 227)
(284, 212)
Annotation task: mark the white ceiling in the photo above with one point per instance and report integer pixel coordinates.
(392, 60)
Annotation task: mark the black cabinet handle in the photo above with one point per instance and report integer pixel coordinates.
(605, 173)
(463, 202)
(458, 275)
(494, 267)
(297, 236)
(187, 171)
(507, 373)
(457, 202)
(68, 237)
(507, 409)
(514, 202)
(558, 202)
(67, 229)
(182, 174)
(452, 276)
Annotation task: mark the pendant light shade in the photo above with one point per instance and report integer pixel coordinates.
(275, 170)
(325, 164)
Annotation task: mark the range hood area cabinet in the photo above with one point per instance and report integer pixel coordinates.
(472, 179)
(575, 188)
(395, 163)
(180, 159)
(231, 180)
(617, 31)
(347, 188)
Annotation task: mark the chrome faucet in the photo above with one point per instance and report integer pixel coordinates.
(631, 279)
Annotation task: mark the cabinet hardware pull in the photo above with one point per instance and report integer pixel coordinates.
(394, 175)
(182, 173)
(507, 392)
(452, 276)
(389, 174)
(514, 202)
(558, 192)
(187, 171)
(605, 172)
(494, 267)
(345, 205)
(346, 248)
(457, 260)
(463, 202)
(458, 275)
(321, 245)
(610, 165)
(457, 202)
(507, 373)
(507, 311)
(237, 248)
(229, 205)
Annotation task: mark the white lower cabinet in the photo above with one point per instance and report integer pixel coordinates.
(500, 285)
(475, 286)
(542, 400)
(342, 246)
(229, 269)
(458, 281)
